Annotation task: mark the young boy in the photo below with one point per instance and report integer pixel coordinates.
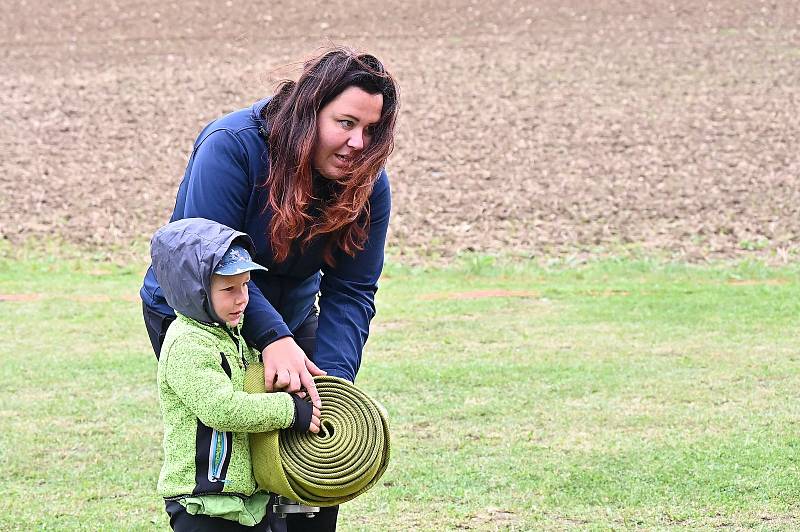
(207, 481)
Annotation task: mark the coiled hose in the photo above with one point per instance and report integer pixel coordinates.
(342, 461)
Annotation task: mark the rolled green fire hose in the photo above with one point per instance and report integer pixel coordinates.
(342, 461)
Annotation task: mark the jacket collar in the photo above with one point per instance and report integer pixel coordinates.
(215, 328)
(257, 115)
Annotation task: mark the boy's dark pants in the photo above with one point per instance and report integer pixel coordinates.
(305, 336)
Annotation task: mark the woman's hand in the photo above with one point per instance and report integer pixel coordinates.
(288, 369)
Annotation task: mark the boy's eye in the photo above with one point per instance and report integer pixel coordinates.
(227, 289)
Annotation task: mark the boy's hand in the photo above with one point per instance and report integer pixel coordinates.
(288, 369)
(314, 427)
(306, 415)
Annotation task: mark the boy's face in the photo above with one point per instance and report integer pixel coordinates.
(229, 296)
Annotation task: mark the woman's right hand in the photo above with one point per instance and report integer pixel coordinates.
(288, 369)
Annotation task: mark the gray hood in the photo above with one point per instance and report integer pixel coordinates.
(185, 253)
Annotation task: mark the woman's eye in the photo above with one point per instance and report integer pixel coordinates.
(369, 131)
(347, 124)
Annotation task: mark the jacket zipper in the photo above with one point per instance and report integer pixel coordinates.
(219, 443)
(217, 454)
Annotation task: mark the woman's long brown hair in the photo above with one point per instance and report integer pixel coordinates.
(343, 216)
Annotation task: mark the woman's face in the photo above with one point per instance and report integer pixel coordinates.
(344, 128)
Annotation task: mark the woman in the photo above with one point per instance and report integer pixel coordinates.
(302, 174)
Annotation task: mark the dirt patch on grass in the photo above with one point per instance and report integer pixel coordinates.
(553, 127)
(491, 518)
(758, 282)
(85, 298)
(480, 294)
(19, 298)
(103, 298)
(612, 292)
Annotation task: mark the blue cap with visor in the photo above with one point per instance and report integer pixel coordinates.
(235, 261)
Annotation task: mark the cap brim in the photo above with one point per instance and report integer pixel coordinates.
(239, 267)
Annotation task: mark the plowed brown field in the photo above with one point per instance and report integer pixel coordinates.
(536, 127)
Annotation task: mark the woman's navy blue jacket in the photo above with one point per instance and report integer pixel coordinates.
(224, 182)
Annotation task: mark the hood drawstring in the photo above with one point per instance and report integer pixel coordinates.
(239, 344)
(235, 334)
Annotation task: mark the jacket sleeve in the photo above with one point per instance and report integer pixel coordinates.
(347, 294)
(263, 324)
(194, 372)
(219, 188)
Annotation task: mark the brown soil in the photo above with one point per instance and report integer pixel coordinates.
(537, 127)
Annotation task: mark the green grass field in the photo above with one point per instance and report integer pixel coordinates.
(610, 395)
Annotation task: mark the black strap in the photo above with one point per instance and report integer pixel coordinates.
(303, 410)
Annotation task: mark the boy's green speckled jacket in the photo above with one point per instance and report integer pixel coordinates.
(206, 413)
